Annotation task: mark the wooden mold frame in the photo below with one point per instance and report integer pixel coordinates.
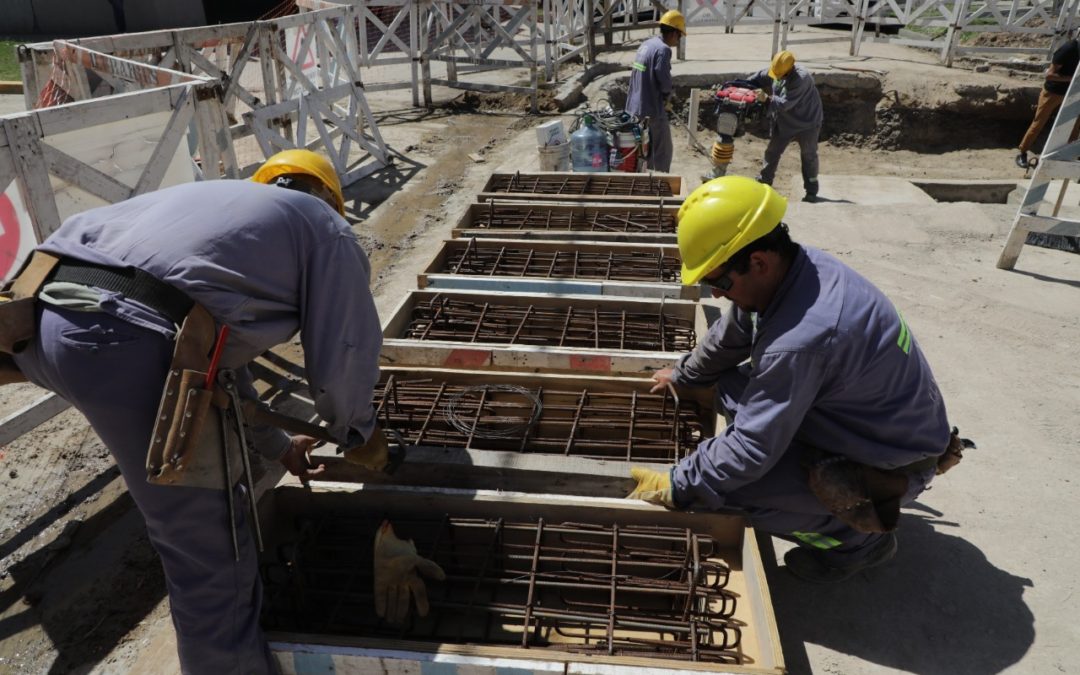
(435, 274)
(469, 467)
(467, 227)
(303, 653)
(492, 191)
(397, 350)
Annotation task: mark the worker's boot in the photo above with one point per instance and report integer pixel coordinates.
(810, 185)
(819, 568)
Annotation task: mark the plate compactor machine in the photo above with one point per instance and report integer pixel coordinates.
(736, 104)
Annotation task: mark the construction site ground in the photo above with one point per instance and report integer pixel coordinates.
(984, 581)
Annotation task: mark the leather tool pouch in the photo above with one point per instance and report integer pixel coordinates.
(18, 320)
(864, 498)
(193, 431)
(200, 434)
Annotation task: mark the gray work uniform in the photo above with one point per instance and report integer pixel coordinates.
(834, 366)
(266, 261)
(650, 87)
(796, 115)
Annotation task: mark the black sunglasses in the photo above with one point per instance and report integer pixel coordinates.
(720, 283)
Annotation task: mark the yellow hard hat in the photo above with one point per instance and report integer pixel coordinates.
(722, 216)
(674, 19)
(781, 64)
(303, 162)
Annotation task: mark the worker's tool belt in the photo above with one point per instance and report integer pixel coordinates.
(18, 320)
(866, 498)
(135, 284)
(191, 436)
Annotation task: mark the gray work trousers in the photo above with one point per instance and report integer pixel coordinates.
(778, 142)
(661, 149)
(113, 373)
(781, 503)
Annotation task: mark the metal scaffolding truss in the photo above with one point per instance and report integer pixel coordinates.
(1053, 19)
(490, 35)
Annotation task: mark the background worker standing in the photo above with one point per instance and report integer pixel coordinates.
(266, 262)
(795, 114)
(835, 420)
(1058, 76)
(650, 87)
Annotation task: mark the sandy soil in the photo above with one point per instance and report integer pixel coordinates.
(981, 584)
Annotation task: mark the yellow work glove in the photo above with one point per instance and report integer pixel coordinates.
(373, 455)
(652, 486)
(397, 565)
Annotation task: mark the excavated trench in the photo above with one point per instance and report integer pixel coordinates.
(865, 111)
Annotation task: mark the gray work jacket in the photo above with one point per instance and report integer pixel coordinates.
(795, 103)
(650, 79)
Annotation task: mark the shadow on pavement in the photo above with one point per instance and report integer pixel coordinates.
(365, 195)
(939, 607)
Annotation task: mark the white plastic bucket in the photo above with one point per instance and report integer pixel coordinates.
(554, 157)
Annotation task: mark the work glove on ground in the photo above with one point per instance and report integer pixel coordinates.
(373, 455)
(397, 576)
(652, 486)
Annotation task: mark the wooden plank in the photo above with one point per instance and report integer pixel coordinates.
(83, 114)
(674, 181)
(84, 176)
(564, 286)
(25, 419)
(581, 199)
(538, 358)
(24, 138)
(288, 501)
(1048, 225)
(165, 150)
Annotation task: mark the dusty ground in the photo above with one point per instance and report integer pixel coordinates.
(982, 582)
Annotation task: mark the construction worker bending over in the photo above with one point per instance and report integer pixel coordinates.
(116, 310)
(794, 115)
(834, 421)
(1058, 76)
(650, 87)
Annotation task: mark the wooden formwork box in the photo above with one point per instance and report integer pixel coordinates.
(467, 225)
(437, 276)
(475, 468)
(304, 653)
(491, 190)
(398, 350)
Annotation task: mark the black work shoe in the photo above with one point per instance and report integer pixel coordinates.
(809, 565)
(810, 199)
(1022, 160)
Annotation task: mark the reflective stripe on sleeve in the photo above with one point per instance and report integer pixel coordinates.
(637, 65)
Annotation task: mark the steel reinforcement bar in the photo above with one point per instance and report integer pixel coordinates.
(479, 259)
(488, 322)
(589, 424)
(655, 220)
(601, 185)
(617, 589)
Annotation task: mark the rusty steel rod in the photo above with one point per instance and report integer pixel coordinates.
(483, 258)
(585, 423)
(629, 185)
(648, 591)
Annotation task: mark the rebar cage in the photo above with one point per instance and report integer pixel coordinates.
(481, 258)
(540, 217)
(460, 320)
(587, 422)
(651, 591)
(600, 184)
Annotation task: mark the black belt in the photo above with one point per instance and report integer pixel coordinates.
(132, 282)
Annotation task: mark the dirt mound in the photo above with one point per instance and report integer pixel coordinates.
(472, 102)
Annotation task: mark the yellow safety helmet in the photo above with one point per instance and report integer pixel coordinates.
(673, 18)
(304, 162)
(781, 64)
(722, 216)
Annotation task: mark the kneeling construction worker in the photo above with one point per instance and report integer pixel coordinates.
(129, 300)
(835, 419)
(650, 87)
(794, 115)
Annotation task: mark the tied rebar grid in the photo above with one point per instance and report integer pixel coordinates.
(480, 258)
(462, 321)
(590, 424)
(627, 185)
(645, 220)
(619, 590)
